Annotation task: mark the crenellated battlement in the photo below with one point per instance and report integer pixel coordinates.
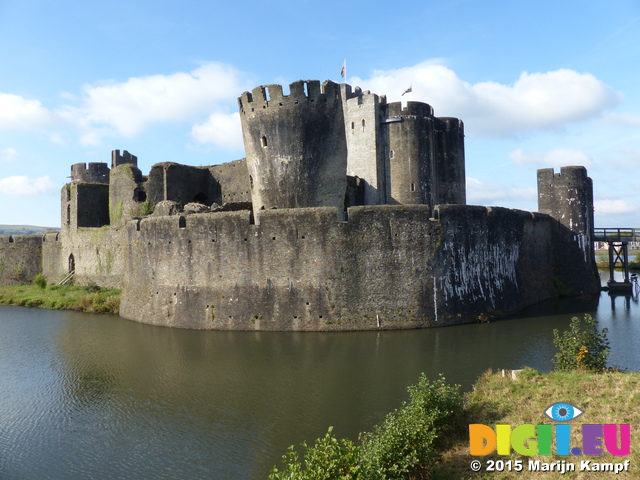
(301, 92)
(413, 109)
(95, 172)
(359, 97)
(566, 176)
(125, 158)
(452, 123)
(568, 197)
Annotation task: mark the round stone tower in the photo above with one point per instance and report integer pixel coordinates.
(411, 153)
(95, 172)
(295, 145)
(568, 197)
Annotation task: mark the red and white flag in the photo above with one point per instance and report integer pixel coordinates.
(408, 90)
(343, 72)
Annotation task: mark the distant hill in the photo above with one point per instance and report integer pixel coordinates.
(24, 229)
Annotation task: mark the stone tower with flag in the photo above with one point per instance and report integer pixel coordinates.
(322, 144)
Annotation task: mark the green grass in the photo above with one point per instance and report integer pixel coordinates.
(605, 398)
(91, 298)
(427, 438)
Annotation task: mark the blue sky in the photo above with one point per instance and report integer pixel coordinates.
(537, 84)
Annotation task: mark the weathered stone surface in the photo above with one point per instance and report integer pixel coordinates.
(166, 207)
(195, 207)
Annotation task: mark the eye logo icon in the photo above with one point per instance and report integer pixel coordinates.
(563, 412)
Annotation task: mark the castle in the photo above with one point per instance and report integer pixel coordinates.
(348, 213)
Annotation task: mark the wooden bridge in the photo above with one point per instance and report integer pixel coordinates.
(618, 240)
(616, 235)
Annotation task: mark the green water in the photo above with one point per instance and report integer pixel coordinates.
(95, 396)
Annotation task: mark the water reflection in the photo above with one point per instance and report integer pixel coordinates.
(86, 396)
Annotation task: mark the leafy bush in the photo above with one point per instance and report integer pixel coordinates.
(40, 280)
(411, 438)
(582, 346)
(330, 458)
(405, 445)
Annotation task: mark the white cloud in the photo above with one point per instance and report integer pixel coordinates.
(17, 112)
(9, 155)
(622, 119)
(25, 186)
(482, 193)
(220, 129)
(560, 157)
(130, 107)
(534, 101)
(611, 207)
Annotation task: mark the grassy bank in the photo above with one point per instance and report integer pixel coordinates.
(605, 398)
(62, 297)
(427, 438)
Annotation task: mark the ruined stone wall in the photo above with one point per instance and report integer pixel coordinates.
(300, 269)
(96, 253)
(20, 258)
(185, 184)
(127, 196)
(92, 204)
(53, 267)
(233, 178)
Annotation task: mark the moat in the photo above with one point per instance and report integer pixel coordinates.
(97, 396)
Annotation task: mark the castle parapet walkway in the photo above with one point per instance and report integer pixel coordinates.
(618, 240)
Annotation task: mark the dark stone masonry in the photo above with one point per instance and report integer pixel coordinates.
(348, 213)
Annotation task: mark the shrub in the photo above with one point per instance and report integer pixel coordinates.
(405, 445)
(330, 458)
(40, 280)
(581, 347)
(409, 441)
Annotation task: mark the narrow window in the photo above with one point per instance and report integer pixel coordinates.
(68, 214)
(353, 126)
(266, 94)
(413, 187)
(391, 154)
(363, 124)
(182, 222)
(68, 194)
(263, 141)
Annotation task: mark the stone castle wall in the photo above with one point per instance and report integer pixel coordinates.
(386, 267)
(20, 258)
